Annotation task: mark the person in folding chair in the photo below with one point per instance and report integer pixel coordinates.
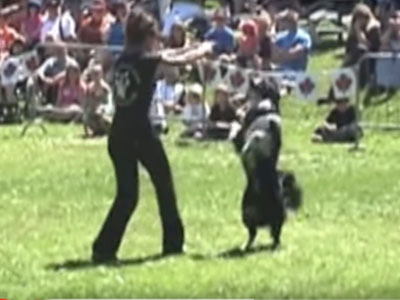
(132, 139)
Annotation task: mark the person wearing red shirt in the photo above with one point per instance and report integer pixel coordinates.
(94, 29)
(31, 26)
(8, 35)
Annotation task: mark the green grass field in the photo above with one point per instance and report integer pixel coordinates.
(55, 191)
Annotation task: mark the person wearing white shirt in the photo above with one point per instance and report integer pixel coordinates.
(169, 90)
(195, 112)
(60, 26)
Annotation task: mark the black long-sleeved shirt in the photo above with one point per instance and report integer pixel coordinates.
(133, 87)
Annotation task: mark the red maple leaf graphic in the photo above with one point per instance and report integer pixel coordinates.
(343, 83)
(237, 79)
(307, 86)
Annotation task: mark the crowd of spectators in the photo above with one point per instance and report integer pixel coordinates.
(262, 35)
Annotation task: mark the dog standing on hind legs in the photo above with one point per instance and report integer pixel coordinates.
(262, 203)
(269, 192)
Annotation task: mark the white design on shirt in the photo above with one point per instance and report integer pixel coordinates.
(126, 84)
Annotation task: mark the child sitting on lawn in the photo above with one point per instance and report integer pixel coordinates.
(71, 94)
(169, 91)
(222, 115)
(18, 78)
(195, 112)
(340, 125)
(98, 108)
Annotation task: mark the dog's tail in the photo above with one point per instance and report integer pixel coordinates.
(292, 191)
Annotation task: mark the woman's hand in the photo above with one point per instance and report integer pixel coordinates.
(187, 57)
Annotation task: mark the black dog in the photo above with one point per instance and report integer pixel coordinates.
(259, 91)
(269, 192)
(262, 203)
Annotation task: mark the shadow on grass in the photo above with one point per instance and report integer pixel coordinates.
(81, 264)
(235, 253)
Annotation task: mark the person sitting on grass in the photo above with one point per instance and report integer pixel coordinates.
(364, 37)
(249, 45)
(265, 32)
(98, 108)
(221, 34)
(169, 90)
(116, 35)
(222, 115)
(292, 46)
(340, 125)
(195, 112)
(71, 93)
(31, 26)
(9, 87)
(51, 69)
(8, 35)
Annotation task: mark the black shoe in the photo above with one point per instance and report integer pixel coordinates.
(172, 251)
(98, 258)
(173, 248)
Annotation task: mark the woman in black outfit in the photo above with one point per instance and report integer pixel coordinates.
(132, 139)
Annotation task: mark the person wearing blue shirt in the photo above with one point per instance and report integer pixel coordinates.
(292, 45)
(116, 35)
(221, 34)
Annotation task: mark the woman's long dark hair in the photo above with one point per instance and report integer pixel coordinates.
(139, 26)
(174, 43)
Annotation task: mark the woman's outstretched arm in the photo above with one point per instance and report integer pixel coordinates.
(186, 56)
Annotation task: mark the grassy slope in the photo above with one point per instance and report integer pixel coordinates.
(55, 192)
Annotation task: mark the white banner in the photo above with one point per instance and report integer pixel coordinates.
(344, 83)
(237, 80)
(306, 85)
(210, 73)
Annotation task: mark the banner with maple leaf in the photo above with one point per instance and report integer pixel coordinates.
(237, 80)
(210, 74)
(307, 87)
(344, 83)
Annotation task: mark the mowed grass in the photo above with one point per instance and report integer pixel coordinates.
(56, 189)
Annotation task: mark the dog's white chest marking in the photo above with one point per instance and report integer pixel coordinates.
(260, 141)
